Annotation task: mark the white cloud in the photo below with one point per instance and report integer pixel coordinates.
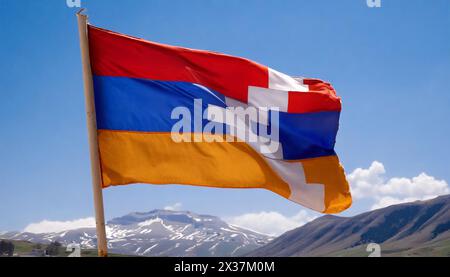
(48, 226)
(174, 207)
(271, 223)
(371, 183)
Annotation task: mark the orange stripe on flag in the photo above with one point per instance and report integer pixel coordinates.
(139, 157)
(142, 157)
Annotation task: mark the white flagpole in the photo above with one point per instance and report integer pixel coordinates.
(92, 135)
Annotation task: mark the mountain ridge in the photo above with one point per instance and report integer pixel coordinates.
(396, 228)
(408, 229)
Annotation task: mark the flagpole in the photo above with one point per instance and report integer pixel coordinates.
(92, 135)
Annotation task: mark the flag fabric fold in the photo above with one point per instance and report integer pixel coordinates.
(139, 84)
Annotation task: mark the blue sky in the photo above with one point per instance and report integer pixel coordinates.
(390, 65)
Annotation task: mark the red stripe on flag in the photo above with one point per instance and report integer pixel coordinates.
(319, 86)
(320, 97)
(118, 55)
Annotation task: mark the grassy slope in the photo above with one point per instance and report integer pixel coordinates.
(439, 248)
(25, 247)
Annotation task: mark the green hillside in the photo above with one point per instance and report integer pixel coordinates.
(439, 248)
(30, 249)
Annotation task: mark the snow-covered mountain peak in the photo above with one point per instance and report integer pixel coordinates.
(162, 233)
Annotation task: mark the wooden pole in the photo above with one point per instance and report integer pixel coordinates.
(92, 135)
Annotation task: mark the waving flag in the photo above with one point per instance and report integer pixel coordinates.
(139, 85)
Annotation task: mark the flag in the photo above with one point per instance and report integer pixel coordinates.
(163, 117)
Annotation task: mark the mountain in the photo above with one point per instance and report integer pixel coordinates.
(420, 228)
(160, 233)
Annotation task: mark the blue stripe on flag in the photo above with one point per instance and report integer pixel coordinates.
(143, 105)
